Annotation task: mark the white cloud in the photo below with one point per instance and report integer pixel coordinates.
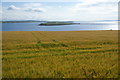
(20, 15)
(99, 1)
(96, 5)
(32, 5)
(85, 10)
(97, 9)
(35, 9)
(12, 7)
(38, 10)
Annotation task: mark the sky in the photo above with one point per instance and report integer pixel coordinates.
(83, 10)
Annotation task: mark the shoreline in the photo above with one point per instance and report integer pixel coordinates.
(66, 31)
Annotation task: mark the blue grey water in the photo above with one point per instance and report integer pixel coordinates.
(33, 26)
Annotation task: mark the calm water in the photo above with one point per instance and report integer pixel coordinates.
(83, 26)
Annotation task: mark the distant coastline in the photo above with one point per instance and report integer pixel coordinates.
(26, 21)
(19, 21)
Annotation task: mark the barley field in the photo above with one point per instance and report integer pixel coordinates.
(60, 54)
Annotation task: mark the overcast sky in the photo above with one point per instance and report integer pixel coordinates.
(84, 10)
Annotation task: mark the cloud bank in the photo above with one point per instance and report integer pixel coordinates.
(83, 10)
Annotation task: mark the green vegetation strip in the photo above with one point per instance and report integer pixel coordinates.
(51, 50)
(70, 53)
(38, 44)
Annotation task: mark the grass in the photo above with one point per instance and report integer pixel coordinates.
(60, 54)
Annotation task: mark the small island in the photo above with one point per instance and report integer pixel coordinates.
(57, 23)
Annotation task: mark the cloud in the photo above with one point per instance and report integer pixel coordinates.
(99, 1)
(32, 5)
(95, 6)
(96, 3)
(35, 10)
(12, 7)
(38, 10)
(84, 10)
(95, 10)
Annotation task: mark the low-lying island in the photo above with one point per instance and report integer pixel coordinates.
(57, 23)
